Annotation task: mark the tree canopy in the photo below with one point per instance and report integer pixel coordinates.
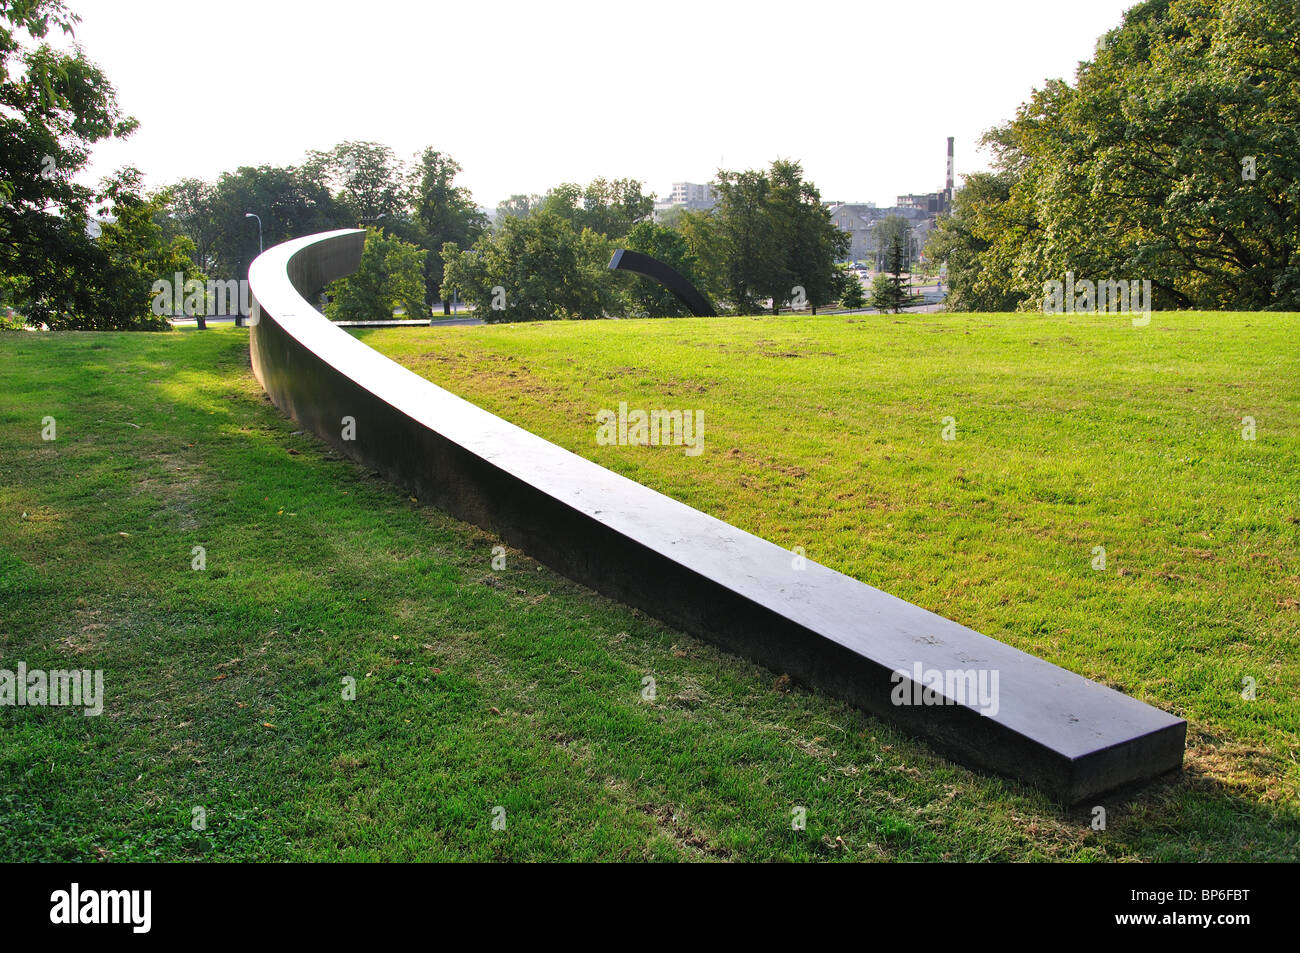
(443, 212)
(609, 207)
(776, 239)
(1174, 158)
(534, 268)
(365, 179)
(391, 275)
(58, 266)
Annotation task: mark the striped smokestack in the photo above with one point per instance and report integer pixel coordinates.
(950, 168)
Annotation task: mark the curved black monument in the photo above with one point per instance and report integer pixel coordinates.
(1048, 726)
(638, 264)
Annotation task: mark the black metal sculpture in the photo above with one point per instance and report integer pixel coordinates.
(980, 701)
(638, 264)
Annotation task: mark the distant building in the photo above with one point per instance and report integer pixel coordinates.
(692, 195)
(856, 218)
(921, 210)
(859, 220)
(932, 203)
(688, 196)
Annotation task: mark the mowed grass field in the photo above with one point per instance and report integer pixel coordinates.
(515, 696)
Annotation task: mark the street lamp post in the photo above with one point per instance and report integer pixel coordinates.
(259, 229)
(239, 319)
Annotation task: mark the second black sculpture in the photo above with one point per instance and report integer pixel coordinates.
(670, 278)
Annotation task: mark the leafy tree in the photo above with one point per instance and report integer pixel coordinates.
(391, 275)
(289, 202)
(612, 207)
(191, 216)
(672, 216)
(517, 206)
(746, 242)
(702, 233)
(565, 201)
(811, 242)
(132, 237)
(1143, 168)
(444, 213)
(536, 268)
(607, 207)
(130, 254)
(366, 180)
(979, 272)
(594, 278)
(54, 106)
(775, 235)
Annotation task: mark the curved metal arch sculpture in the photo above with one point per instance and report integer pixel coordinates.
(1066, 734)
(647, 267)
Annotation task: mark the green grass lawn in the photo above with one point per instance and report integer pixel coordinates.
(479, 690)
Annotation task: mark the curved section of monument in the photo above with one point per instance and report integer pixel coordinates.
(638, 264)
(981, 702)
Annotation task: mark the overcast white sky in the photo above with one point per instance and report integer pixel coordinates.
(527, 95)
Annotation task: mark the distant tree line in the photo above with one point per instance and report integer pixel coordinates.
(409, 208)
(769, 242)
(1174, 158)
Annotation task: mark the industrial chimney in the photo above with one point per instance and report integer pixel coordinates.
(949, 184)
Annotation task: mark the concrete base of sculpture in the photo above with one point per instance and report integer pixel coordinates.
(1031, 720)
